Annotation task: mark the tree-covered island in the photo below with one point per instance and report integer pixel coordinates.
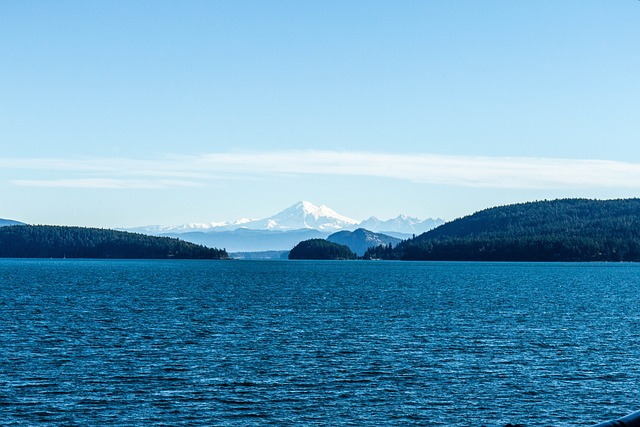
(320, 249)
(46, 241)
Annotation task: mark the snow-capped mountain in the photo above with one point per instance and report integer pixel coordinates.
(285, 229)
(304, 215)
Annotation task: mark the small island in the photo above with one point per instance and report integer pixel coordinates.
(46, 241)
(321, 249)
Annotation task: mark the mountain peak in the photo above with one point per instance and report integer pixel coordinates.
(305, 215)
(306, 205)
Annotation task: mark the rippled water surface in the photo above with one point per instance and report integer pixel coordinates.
(240, 343)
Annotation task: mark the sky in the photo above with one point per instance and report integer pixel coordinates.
(121, 113)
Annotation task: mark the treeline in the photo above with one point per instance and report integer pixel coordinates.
(558, 230)
(45, 241)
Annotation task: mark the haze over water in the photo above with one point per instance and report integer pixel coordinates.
(138, 343)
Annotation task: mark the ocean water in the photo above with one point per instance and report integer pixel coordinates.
(242, 343)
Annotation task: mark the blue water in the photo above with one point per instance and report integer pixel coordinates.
(241, 343)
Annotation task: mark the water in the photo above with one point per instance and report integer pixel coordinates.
(201, 343)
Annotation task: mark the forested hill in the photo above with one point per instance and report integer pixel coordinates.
(558, 230)
(320, 249)
(5, 222)
(45, 241)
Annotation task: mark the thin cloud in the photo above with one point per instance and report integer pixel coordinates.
(103, 183)
(467, 171)
(489, 172)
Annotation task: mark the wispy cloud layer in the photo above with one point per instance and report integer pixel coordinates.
(105, 183)
(188, 171)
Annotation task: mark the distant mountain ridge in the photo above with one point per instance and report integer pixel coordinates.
(6, 222)
(401, 224)
(302, 215)
(360, 240)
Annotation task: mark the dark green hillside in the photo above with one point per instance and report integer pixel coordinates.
(43, 241)
(320, 249)
(558, 230)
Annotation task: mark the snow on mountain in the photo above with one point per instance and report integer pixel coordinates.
(304, 215)
(187, 228)
(401, 224)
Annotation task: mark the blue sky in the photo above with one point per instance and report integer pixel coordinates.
(120, 113)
